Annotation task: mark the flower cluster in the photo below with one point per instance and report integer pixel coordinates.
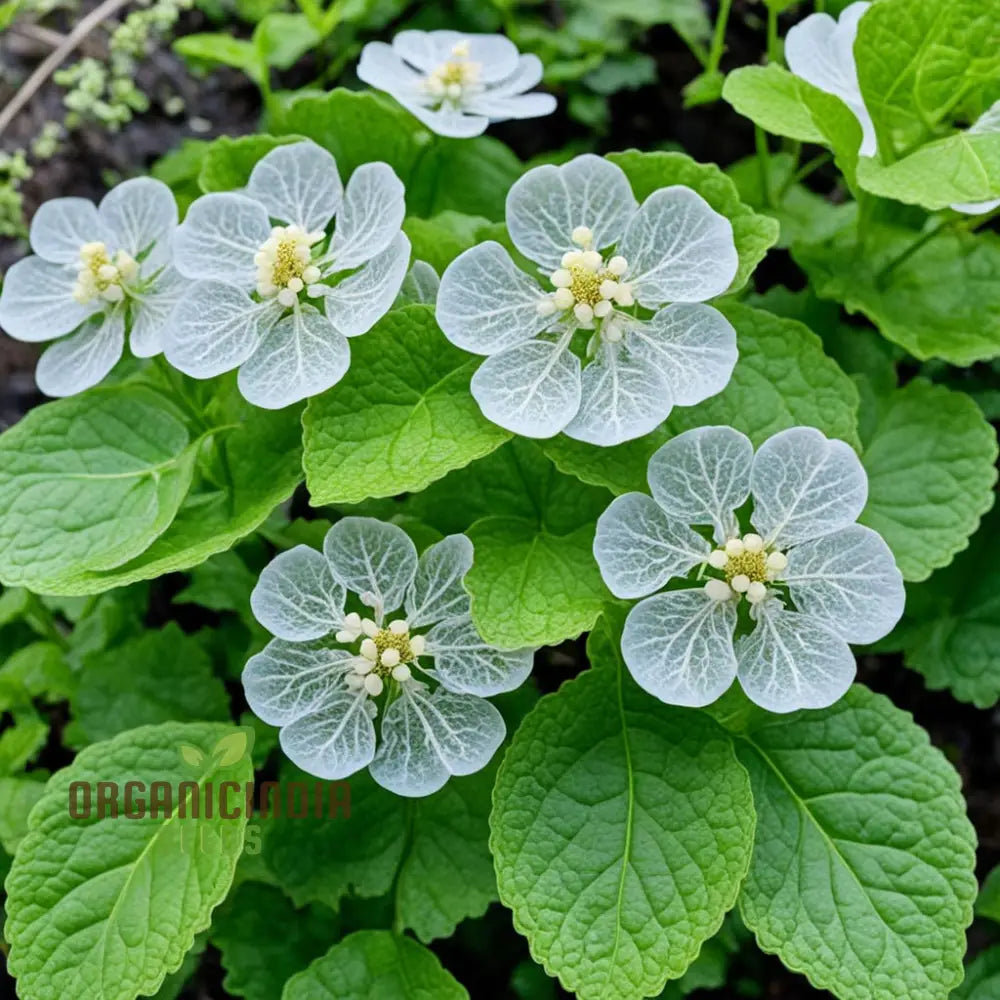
(612, 267)
(813, 580)
(421, 675)
(456, 84)
(97, 270)
(278, 301)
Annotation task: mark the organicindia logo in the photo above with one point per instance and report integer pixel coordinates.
(209, 804)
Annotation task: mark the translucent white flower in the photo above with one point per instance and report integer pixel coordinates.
(100, 271)
(820, 50)
(455, 83)
(812, 578)
(610, 266)
(412, 666)
(988, 122)
(269, 291)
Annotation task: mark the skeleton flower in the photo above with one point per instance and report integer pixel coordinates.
(279, 301)
(611, 266)
(820, 50)
(456, 84)
(420, 675)
(813, 580)
(97, 272)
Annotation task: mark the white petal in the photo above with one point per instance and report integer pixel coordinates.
(335, 741)
(300, 356)
(822, 53)
(81, 360)
(501, 109)
(805, 486)
(372, 559)
(370, 216)
(296, 597)
(486, 303)
(153, 313)
(531, 389)
(679, 249)
(496, 55)
(693, 345)
(361, 300)
(638, 548)
(421, 284)
(383, 68)
(218, 239)
(702, 476)
(428, 738)
(214, 328)
(548, 203)
(437, 591)
(849, 582)
(447, 122)
(61, 226)
(142, 215)
(465, 664)
(975, 207)
(623, 396)
(791, 661)
(36, 301)
(679, 646)
(528, 74)
(287, 680)
(298, 183)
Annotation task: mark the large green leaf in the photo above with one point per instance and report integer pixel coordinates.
(940, 301)
(782, 379)
(104, 908)
(431, 853)
(862, 871)
(534, 581)
(917, 62)
(372, 964)
(931, 468)
(753, 233)
(622, 829)
(226, 163)
(401, 417)
(89, 482)
(982, 978)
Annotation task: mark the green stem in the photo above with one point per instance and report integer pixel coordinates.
(806, 169)
(772, 35)
(41, 619)
(922, 240)
(763, 164)
(719, 38)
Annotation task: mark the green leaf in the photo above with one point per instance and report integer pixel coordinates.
(431, 853)
(952, 633)
(104, 908)
(960, 168)
(38, 670)
(401, 417)
(212, 47)
(784, 104)
(18, 795)
(930, 465)
(281, 39)
(21, 742)
(622, 829)
(918, 62)
(375, 964)
(982, 978)
(441, 239)
(257, 960)
(941, 301)
(753, 233)
(87, 483)
(168, 677)
(862, 871)
(222, 583)
(534, 581)
(988, 900)
(226, 164)
(782, 379)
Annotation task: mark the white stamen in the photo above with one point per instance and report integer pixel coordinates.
(756, 592)
(618, 265)
(753, 543)
(734, 547)
(401, 673)
(563, 298)
(369, 650)
(777, 561)
(740, 583)
(718, 590)
(718, 559)
(591, 260)
(608, 288)
(355, 682)
(546, 306)
(583, 312)
(374, 685)
(399, 627)
(369, 627)
(582, 236)
(417, 645)
(390, 657)
(602, 309)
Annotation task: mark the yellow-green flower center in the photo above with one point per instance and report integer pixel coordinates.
(752, 565)
(400, 641)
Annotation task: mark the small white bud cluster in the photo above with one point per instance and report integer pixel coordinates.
(373, 666)
(454, 79)
(284, 265)
(748, 567)
(587, 284)
(101, 276)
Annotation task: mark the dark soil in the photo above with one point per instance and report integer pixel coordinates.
(483, 955)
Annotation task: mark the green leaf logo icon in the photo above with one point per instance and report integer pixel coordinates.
(192, 755)
(230, 749)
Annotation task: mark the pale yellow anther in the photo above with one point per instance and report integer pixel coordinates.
(583, 312)
(603, 308)
(777, 561)
(399, 627)
(563, 298)
(401, 673)
(418, 644)
(608, 288)
(756, 592)
(369, 627)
